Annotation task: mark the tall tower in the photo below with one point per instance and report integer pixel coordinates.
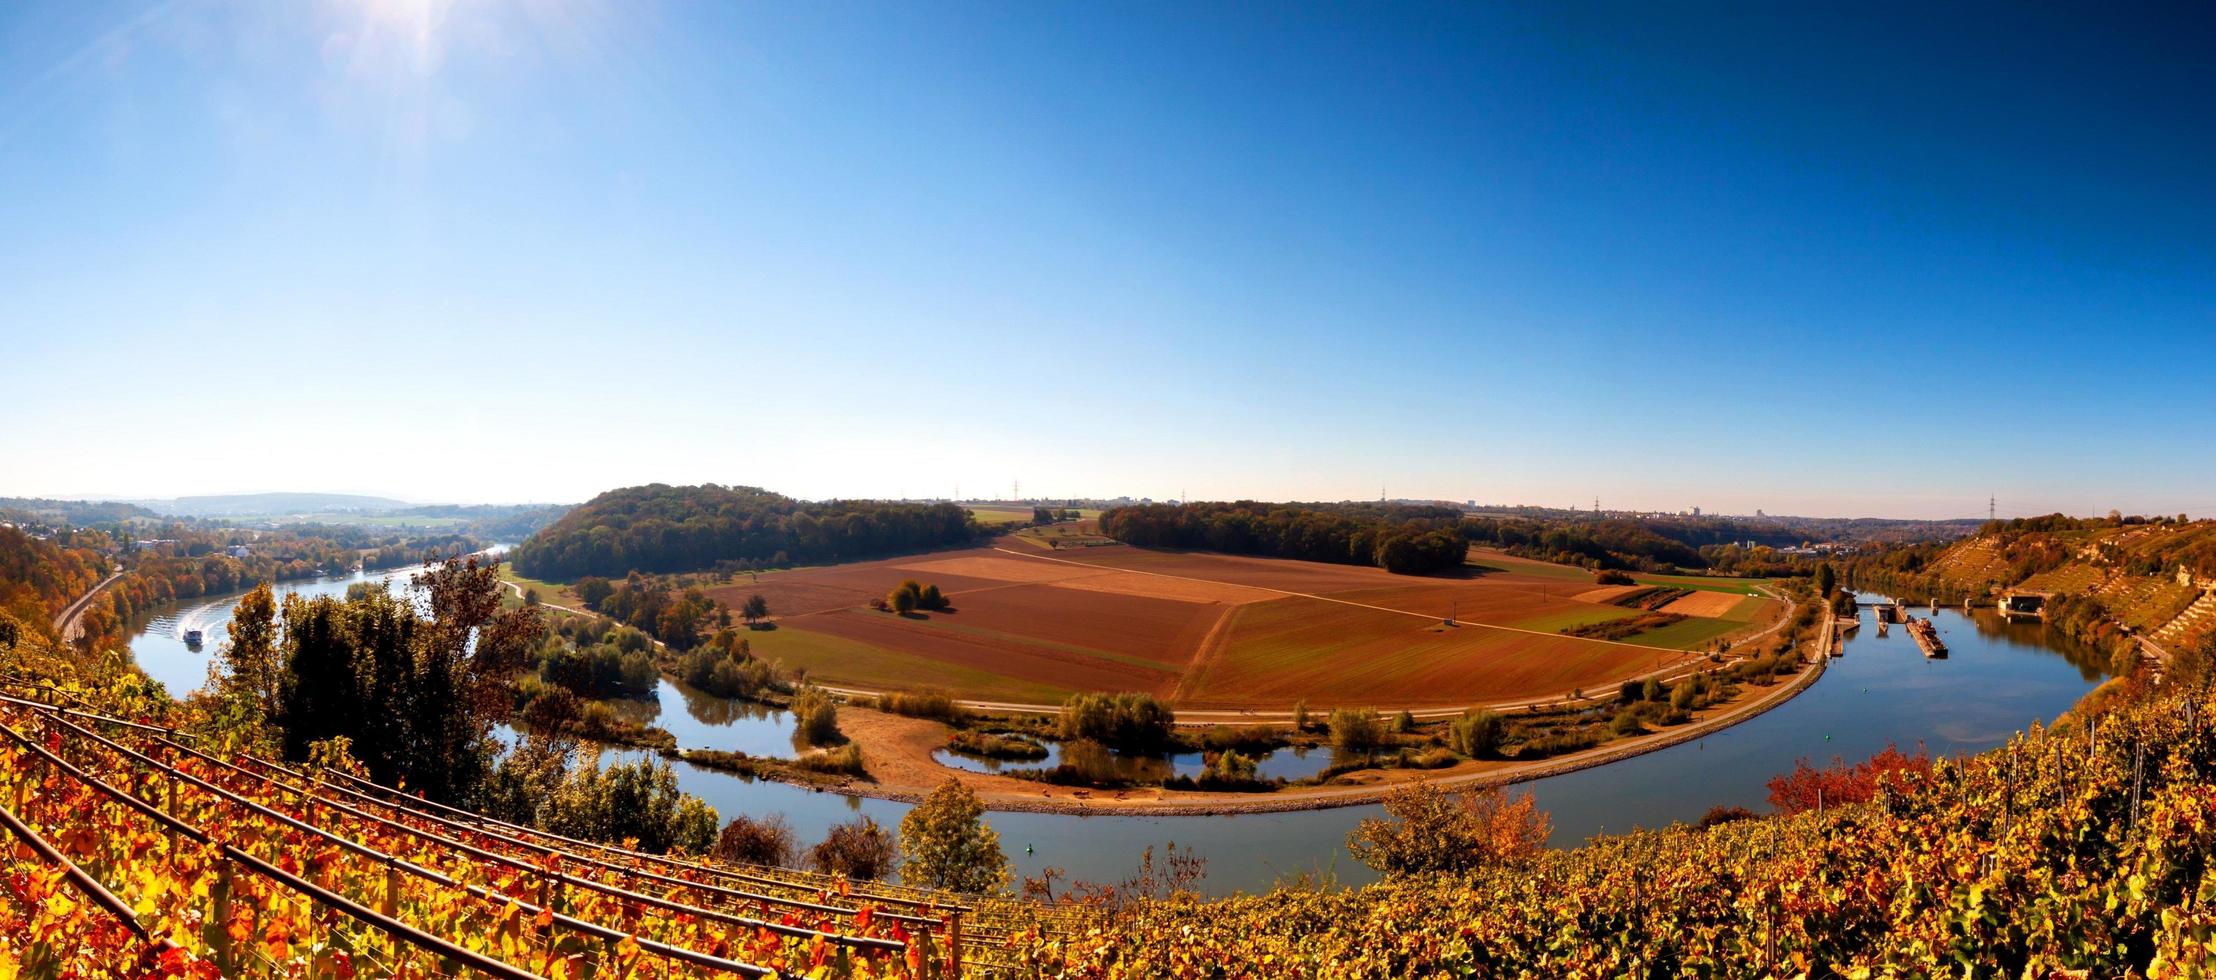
(1992, 507)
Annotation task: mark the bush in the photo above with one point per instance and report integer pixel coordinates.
(922, 704)
(746, 840)
(1357, 730)
(860, 849)
(1558, 743)
(1250, 739)
(1434, 758)
(846, 760)
(1404, 722)
(944, 843)
(816, 717)
(1477, 734)
(602, 671)
(1807, 787)
(997, 746)
(631, 800)
(1613, 576)
(724, 675)
(1128, 721)
(1725, 814)
(1431, 831)
(1626, 723)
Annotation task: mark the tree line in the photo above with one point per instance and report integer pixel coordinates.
(1405, 539)
(660, 528)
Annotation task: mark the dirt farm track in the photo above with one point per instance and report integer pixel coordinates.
(1225, 633)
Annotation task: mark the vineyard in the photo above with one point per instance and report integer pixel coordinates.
(134, 846)
(2081, 850)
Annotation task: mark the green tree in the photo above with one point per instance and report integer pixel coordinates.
(1477, 734)
(1827, 580)
(755, 610)
(251, 666)
(816, 716)
(631, 801)
(902, 600)
(1357, 730)
(944, 843)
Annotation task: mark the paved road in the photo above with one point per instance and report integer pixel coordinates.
(69, 623)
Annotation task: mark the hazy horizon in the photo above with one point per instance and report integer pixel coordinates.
(1872, 262)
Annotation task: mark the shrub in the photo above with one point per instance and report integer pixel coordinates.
(746, 840)
(922, 704)
(860, 849)
(631, 800)
(1251, 739)
(1127, 721)
(1432, 831)
(1806, 786)
(997, 746)
(1725, 814)
(815, 716)
(1433, 758)
(1626, 723)
(601, 671)
(1357, 730)
(724, 675)
(846, 760)
(1613, 576)
(1477, 734)
(1404, 722)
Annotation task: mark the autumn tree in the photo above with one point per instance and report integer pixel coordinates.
(860, 849)
(1809, 787)
(1430, 831)
(944, 843)
(902, 600)
(755, 610)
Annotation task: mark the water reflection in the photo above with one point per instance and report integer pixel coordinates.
(1289, 764)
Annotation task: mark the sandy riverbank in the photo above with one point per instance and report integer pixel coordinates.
(898, 753)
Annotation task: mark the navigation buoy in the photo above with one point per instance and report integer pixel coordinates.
(1026, 848)
(1827, 738)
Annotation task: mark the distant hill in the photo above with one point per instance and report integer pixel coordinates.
(272, 504)
(75, 512)
(660, 528)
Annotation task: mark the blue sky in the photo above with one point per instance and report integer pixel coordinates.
(1880, 260)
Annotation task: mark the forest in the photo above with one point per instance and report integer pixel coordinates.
(1404, 539)
(661, 528)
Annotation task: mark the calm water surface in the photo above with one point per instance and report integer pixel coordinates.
(1998, 679)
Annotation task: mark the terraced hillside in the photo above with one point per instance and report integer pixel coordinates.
(2157, 578)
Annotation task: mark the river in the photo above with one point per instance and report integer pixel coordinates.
(1998, 678)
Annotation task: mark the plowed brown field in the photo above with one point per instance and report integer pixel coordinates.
(1208, 630)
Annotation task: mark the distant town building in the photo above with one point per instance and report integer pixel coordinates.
(237, 551)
